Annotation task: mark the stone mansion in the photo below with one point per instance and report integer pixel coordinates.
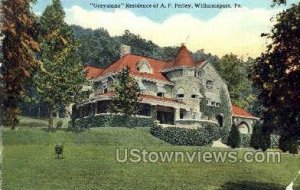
(171, 90)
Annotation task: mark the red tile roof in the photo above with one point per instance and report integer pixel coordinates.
(92, 72)
(183, 58)
(131, 61)
(237, 111)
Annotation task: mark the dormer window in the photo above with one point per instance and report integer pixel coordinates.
(209, 84)
(143, 66)
(160, 91)
(180, 93)
(196, 94)
(104, 87)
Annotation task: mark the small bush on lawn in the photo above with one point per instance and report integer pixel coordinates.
(182, 136)
(234, 139)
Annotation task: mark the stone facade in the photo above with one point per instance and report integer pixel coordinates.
(172, 90)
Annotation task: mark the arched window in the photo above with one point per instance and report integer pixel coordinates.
(244, 128)
(180, 93)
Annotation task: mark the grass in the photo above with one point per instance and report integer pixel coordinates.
(89, 163)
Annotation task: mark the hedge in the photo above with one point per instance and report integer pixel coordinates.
(112, 121)
(182, 136)
(246, 139)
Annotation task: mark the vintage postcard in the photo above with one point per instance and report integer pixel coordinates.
(155, 94)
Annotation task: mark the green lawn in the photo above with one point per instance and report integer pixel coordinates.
(89, 163)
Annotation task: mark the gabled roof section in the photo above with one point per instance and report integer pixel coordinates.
(92, 72)
(240, 112)
(131, 61)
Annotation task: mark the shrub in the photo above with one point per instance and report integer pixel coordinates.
(234, 139)
(260, 139)
(224, 135)
(287, 143)
(59, 150)
(245, 140)
(182, 136)
(111, 121)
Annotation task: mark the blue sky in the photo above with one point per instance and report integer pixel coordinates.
(217, 31)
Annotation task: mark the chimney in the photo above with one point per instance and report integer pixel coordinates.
(124, 49)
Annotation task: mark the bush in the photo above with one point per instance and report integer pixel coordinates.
(287, 143)
(260, 139)
(234, 139)
(245, 140)
(111, 121)
(182, 136)
(224, 135)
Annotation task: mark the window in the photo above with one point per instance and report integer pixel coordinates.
(209, 84)
(200, 74)
(161, 94)
(196, 94)
(104, 88)
(180, 93)
(144, 67)
(213, 103)
(218, 104)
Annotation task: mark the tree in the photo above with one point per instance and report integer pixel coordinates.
(127, 94)
(277, 76)
(19, 48)
(59, 82)
(235, 73)
(234, 138)
(97, 47)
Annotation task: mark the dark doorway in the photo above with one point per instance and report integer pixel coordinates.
(165, 115)
(220, 119)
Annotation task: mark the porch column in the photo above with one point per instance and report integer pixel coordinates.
(154, 112)
(177, 114)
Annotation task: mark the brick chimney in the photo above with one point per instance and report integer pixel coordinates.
(124, 49)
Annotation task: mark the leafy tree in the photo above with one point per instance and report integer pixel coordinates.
(127, 93)
(234, 138)
(139, 46)
(60, 80)
(19, 48)
(201, 55)
(235, 72)
(277, 76)
(97, 47)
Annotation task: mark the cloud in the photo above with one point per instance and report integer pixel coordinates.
(232, 30)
